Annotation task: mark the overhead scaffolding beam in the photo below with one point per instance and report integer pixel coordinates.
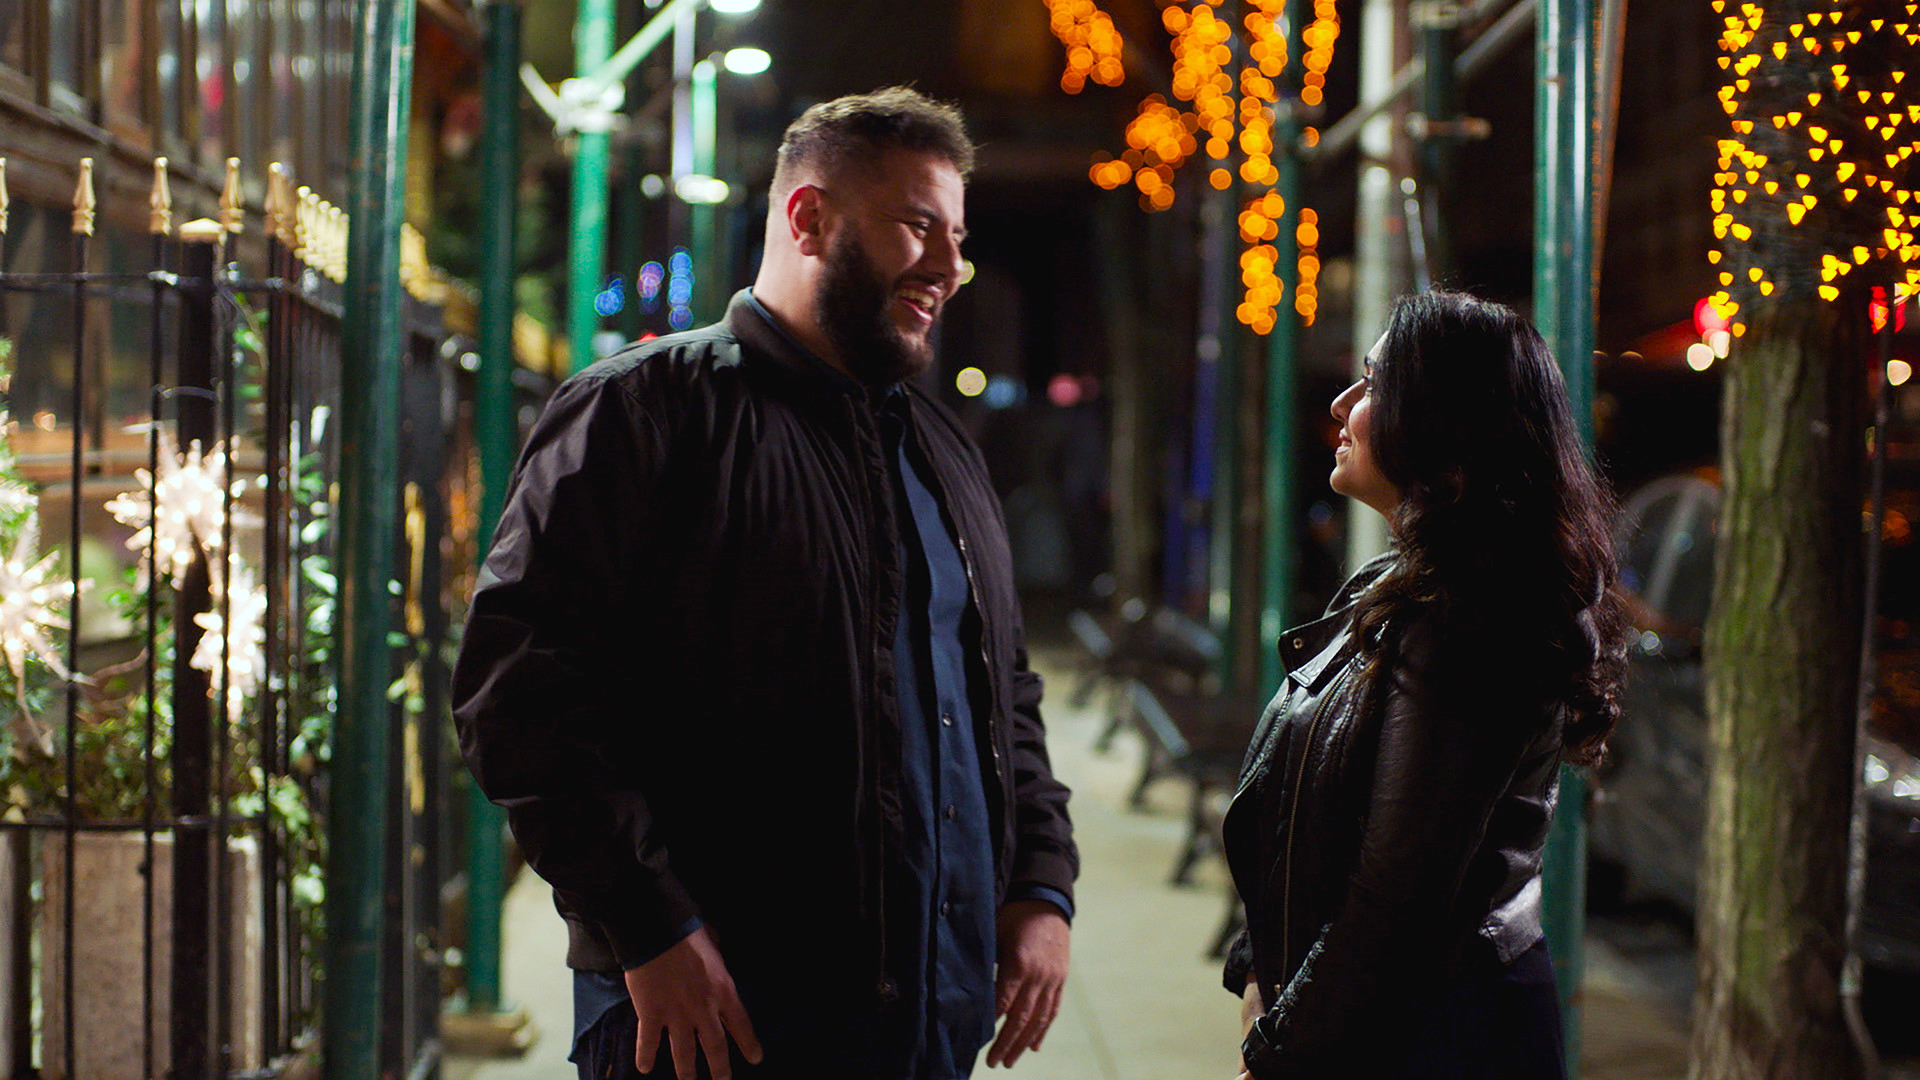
(1507, 31)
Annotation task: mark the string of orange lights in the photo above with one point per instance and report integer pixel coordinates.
(1230, 113)
(1093, 44)
(1815, 177)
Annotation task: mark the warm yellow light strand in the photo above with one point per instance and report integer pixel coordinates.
(1093, 44)
(1850, 145)
(1224, 113)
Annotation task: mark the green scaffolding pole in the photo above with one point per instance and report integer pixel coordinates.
(1563, 301)
(1226, 615)
(368, 515)
(1283, 350)
(593, 34)
(708, 294)
(497, 434)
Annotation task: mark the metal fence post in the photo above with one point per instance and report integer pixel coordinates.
(192, 752)
(368, 520)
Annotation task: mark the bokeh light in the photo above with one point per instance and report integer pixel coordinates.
(1093, 44)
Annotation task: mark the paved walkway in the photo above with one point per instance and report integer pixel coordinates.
(1143, 1002)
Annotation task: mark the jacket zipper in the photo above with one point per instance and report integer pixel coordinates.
(986, 662)
(1293, 824)
(867, 437)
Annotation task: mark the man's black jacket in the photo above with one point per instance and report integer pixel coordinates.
(677, 674)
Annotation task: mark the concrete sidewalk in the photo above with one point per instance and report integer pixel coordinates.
(1144, 1002)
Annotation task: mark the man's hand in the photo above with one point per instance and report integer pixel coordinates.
(1252, 1005)
(688, 992)
(1033, 969)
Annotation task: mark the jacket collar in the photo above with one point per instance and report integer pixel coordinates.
(760, 332)
(1307, 651)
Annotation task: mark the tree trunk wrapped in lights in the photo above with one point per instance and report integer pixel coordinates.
(1811, 199)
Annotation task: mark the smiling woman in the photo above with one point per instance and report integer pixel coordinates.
(1388, 834)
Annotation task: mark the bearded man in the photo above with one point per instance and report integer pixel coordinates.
(746, 669)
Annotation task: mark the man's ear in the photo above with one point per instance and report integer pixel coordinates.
(806, 219)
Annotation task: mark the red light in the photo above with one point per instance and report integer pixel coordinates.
(1707, 318)
(1064, 391)
(1877, 312)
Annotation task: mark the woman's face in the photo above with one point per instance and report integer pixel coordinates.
(1355, 473)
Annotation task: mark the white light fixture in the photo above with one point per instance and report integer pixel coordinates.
(700, 190)
(1898, 372)
(734, 7)
(748, 61)
(1700, 356)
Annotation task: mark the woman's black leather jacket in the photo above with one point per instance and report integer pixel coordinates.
(1386, 835)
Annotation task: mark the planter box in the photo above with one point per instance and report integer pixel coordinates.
(109, 927)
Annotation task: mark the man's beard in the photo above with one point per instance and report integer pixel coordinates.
(853, 302)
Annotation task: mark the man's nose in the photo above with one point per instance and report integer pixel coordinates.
(942, 257)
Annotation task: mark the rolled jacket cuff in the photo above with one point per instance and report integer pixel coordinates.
(631, 960)
(1239, 965)
(639, 936)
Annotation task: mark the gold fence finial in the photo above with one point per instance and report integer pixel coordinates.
(4, 197)
(233, 212)
(280, 208)
(337, 243)
(83, 200)
(160, 203)
(304, 223)
(322, 248)
(413, 259)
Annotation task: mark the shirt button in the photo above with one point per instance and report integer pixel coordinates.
(946, 908)
(946, 719)
(952, 812)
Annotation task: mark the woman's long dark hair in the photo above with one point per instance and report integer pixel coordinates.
(1502, 527)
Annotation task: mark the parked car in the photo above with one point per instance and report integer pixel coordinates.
(1648, 815)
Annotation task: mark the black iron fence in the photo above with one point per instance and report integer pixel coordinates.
(167, 622)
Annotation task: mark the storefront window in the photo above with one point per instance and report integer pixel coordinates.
(212, 78)
(63, 54)
(288, 56)
(126, 58)
(13, 34)
(245, 32)
(166, 66)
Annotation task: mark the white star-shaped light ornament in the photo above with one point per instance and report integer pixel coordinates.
(192, 507)
(27, 613)
(245, 645)
(15, 498)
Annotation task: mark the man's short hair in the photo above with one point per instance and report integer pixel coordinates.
(859, 129)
